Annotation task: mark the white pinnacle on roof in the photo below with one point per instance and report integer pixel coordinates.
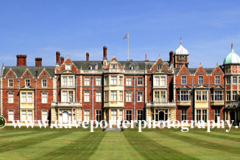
(181, 50)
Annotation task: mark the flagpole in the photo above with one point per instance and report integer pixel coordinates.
(128, 46)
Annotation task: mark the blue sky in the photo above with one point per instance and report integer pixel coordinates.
(40, 28)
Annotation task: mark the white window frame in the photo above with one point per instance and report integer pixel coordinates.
(64, 80)
(26, 82)
(128, 96)
(163, 80)
(182, 79)
(114, 80)
(98, 96)
(70, 83)
(217, 79)
(10, 115)
(86, 81)
(200, 79)
(87, 115)
(86, 96)
(11, 79)
(67, 66)
(44, 97)
(98, 81)
(140, 79)
(11, 98)
(128, 81)
(44, 84)
(234, 80)
(44, 115)
(114, 96)
(140, 99)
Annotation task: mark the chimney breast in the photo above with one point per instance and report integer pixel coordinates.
(62, 60)
(57, 57)
(38, 62)
(104, 52)
(21, 60)
(87, 56)
(171, 57)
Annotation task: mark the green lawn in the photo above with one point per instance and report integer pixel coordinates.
(150, 144)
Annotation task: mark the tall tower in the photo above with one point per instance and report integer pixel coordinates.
(181, 56)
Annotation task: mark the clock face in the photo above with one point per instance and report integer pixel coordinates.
(2, 122)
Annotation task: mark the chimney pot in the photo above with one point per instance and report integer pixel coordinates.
(21, 60)
(62, 60)
(38, 62)
(171, 57)
(87, 56)
(57, 57)
(104, 52)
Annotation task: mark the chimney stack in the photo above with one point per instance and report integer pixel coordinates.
(87, 56)
(21, 60)
(57, 57)
(62, 60)
(171, 57)
(146, 60)
(104, 52)
(38, 62)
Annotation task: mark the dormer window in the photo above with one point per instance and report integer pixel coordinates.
(94, 67)
(134, 67)
(159, 66)
(113, 65)
(67, 67)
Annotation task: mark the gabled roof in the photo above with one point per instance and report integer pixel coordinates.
(85, 64)
(20, 70)
(209, 70)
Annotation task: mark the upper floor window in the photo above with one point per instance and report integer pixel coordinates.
(228, 95)
(121, 80)
(10, 97)
(10, 82)
(217, 79)
(234, 80)
(128, 81)
(98, 96)
(200, 79)
(113, 65)
(113, 95)
(67, 67)
(106, 80)
(26, 97)
(86, 81)
(217, 96)
(64, 81)
(201, 96)
(98, 81)
(159, 66)
(184, 79)
(163, 81)
(128, 96)
(44, 97)
(120, 95)
(86, 96)
(27, 82)
(139, 81)
(113, 80)
(234, 95)
(139, 96)
(183, 95)
(228, 80)
(106, 97)
(182, 57)
(70, 81)
(44, 83)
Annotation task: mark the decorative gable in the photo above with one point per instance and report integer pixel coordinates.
(114, 63)
(67, 67)
(27, 74)
(43, 74)
(160, 67)
(10, 73)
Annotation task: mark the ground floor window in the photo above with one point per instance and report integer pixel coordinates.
(87, 115)
(184, 114)
(66, 115)
(44, 115)
(139, 114)
(128, 115)
(26, 115)
(98, 115)
(120, 115)
(10, 115)
(201, 114)
(160, 114)
(217, 114)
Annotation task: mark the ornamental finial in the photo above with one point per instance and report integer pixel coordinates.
(232, 46)
(180, 40)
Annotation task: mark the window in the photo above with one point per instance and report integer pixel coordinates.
(30, 117)
(201, 115)
(106, 96)
(200, 79)
(198, 96)
(184, 114)
(234, 95)
(140, 81)
(67, 67)
(86, 96)
(98, 115)
(113, 95)
(10, 98)
(198, 115)
(121, 80)
(201, 95)
(24, 116)
(128, 115)
(64, 81)
(163, 96)
(86, 81)
(139, 96)
(44, 83)
(159, 66)
(44, 97)
(204, 95)
(24, 98)
(10, 115)
(87, 115)
(204, 115)
(139, 115)
(120, 95)
(183, 96)
(70, 81)
(217, 79)
(128, 96)
(27, 82)
(128, 81)
(113, 65)
(217, 114)
(157, 96)
(228, 80)
(106, 80)
(184, 79)
(120, 115)
(163, 81)
(10, 82)
(228, 96)
(182, 57)
(94, 67)
(98, 81)
(64, 96)
(234, 80)
(113, 80)
(29, 98)
(217, 96)
(44, 115)
(157, 81)
(70, 96)
(98, 96)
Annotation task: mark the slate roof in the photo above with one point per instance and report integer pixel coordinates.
(85, 64)
(209, 70)
(19, 70)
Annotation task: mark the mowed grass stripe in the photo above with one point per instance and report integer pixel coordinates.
(81, 148)
(193, 139)
(150, 149)
(39, 149)
(114, 145)
(31, 140)
(16, 134)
